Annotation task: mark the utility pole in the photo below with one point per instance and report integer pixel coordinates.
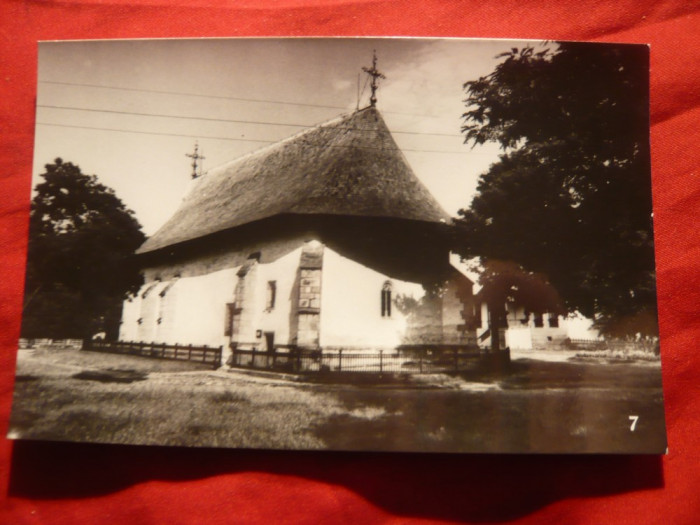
(195, 157)
(376, 75)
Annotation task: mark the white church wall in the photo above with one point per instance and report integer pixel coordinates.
(245, 298)
(351, 314)
(283, 272)
(131, 311)
(165, 323)
(193, 308)
(199, 309)
(149, 311)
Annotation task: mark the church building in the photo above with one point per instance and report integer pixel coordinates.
(324, 241)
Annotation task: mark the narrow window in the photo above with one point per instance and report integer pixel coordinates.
(167, 288)
(149, 289)
(271, 295)
(553, 321)
(386, 299)
(477, 314)
(538, 320)
(228, 323)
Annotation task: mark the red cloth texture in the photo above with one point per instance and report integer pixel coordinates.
(72, 483)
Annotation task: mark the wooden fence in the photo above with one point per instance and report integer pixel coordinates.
(650, 345)
(50, 343)
(196, 354)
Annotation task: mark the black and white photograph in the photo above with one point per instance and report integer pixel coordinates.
(361, 244)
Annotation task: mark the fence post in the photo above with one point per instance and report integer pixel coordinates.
(162, 351)
(140, 347)
(456, 351)
(217, 361)
(340, 360)
(298, 350)
(420, 360)
(252, 359)
(381, 361)
(189, 352)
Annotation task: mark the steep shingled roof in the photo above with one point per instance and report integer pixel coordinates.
(347, 166)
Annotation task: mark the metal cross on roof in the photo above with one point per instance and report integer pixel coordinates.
(195, 157)
(376, 75)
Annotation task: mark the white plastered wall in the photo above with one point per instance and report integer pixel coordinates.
(131, 311)
(193, 309)
(199, 309)
(283, 272)
(351, 305)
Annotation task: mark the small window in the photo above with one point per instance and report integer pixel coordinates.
(228, 323)
(553, 321)
(539, 323)
(271, 295)
(386, 299)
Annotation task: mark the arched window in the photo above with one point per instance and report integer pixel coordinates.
(270, 295)
(386, 299)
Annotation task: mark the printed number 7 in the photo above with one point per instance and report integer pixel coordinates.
(634, 420)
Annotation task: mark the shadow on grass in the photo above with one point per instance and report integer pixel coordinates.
(112, 375)
(25, 378)
(438, 486)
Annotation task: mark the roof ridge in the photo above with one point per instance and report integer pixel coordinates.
(314, 127)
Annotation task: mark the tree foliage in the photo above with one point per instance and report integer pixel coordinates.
(80, 238)
(570, 197)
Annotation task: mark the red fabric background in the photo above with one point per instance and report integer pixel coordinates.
(69, 483)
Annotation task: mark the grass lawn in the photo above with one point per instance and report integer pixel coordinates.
(87, 396)
(532, 407)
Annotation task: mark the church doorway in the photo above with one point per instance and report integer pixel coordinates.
(270, 341)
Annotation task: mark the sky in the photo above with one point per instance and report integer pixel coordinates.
(129, 111)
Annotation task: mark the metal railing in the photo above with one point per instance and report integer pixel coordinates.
(415, 359)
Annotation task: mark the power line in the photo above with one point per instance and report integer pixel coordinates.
(150, 132)
(220, 97)
(211, 119)
(185, 94)
(117, 130)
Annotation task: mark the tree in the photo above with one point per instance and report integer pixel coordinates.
(78, 271)
(570, 197)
